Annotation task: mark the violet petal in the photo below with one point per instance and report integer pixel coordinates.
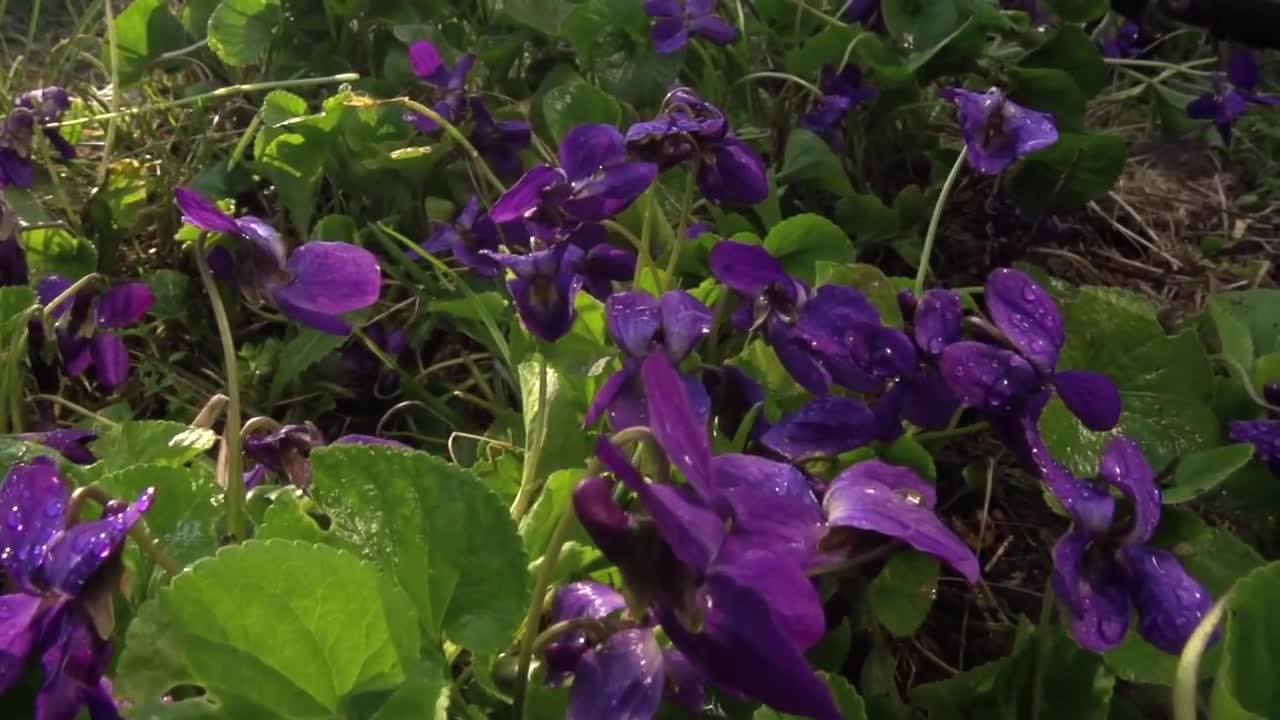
(1090, 396)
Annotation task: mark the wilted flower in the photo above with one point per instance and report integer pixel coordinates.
(641, 324)
(841, 92)
(544, 286)
(997, 130)
(313, 285)
(595, 181)
(286, 451)
(1003, 383)
(728, 171)
(676, 20)
(1232, 98)
(1103, 568)
(34, 109)
(61, 574)
(84, 321)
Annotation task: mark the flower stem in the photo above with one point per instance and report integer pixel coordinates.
(1042, 649)
(645, 238)
(832, 21)
(545, 637)
(682, 226)
(932, 234)
(212, 95)
(529, 473)
(782, 76)
(1186, 68)
(234, 487)
(530, 633)
(452, 131)
(69, 293)
(1187, 676)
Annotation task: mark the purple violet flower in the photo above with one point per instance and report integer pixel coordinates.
(728, 171)
(998, 131)
(1125, 42)
(430, 67)
(1232, 98)
(83, 342)
(13, 259)
(603, 265)
(61, 574)
(676, 20)
(1003, 383)
(595, 181)
(544, 285)
(824, 427)
(500, 142)
(841, 92)
(71, 443)
(919, 394)
(641, 324)
(865, 12)
(313, 285)
(285, 452)
(37, 108)
(1264, 435)
(471, 235)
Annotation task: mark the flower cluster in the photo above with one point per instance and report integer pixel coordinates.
(675, 21)
(34, 110)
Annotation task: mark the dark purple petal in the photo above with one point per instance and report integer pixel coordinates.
(621, 679)
(1094, 593)
(605, 398)
(33, 508)
(609, 527)
(662, 8)
(1090, 396)
(714, 29)
(733, 174)
(71, 443)
(877, 353)
(589, 148)
(20, 613)
(1123, 466)
(48, 289)
(545, 299)
(751, 642)
(678, 430)
(988, 378)
(746, 269)
(74, 661)
(200, 213)
(634, 319)
(604, 266)
(110, 360)
(927, 401)
(692, 530)
(74, 555)
(13, 260)
(331, 278)
(803, 356)
(124, 305)
(824, 427)
(1170, 602)
(1243, 70)
(937, 320)
(1205, 107)
(583, 599)
(893, 501)
(610, 191)
(267, 250)
(685, 682)
(685, 322)
(526, 195)
(76, 353)
(669, 36)
(324, 322)
(427, 64)
(358, 439)
(772, 504)
(1027, 316)
(733, 395)
(1264, 435)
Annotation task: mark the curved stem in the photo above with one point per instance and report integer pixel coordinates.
(540, 585)
(1187, 676)
(529, 473)
(1246, 380)
(782, 76)
(1186, 68)
(682, 226)
(932, 234)
(68, 294)
(563, 627)
(474, 155)
(234, 487)
(79, 409)
(833, 22)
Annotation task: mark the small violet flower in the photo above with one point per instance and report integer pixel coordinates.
(284, 452)
(727, 170)
(1125, 42)
(1103, 568)
(37, 108)
(83, 322)
(641, 324)
(676, 20)
(919, 394)
(472, 236)
(544, 285)
(1006, 383)
(866, 12)
(603, 265)
(60, 576)
(313, 285)
(71, 443)
(997, 130)
(1235, 96)
(841, 92)
(595, 181)
(1264, 434)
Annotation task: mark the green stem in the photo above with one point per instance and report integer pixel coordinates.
(147, 544)
(212, 95)
(682, 226)
(67, 294)
(529, 473)
(1187, 676)
(235, 491)
(932, 234)
(782, 76)
(1042, 650)
(530, 633)
(1185, 68)
(833, 22)
(113, 56)
(971, 429)
(472, 154)
(646, 259)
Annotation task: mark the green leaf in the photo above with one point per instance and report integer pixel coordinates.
(14, 300)
(1231, 330)
(272, 630)
(827, 47)
(53, 251)
(295, 163)
(545, 16)
(865, 217)
(241, 31)
(339, 228)
(1051, 91)
(537, 527)
(170, 288)
(424, 696)
(1244, 687)
(155, 442)
(1072, 51)
(306, 349)
(287, 518)
(1259, 310)
(578, 102)
(564, 446)
(800, 242)
(1200, 472)
(809, 158)
(1078, 10)
(144, 31)
(1165, 383)
(1075, 170)
(186, 513)
(195, 17)
(446, 537)
(924, 23)
(903, 592)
